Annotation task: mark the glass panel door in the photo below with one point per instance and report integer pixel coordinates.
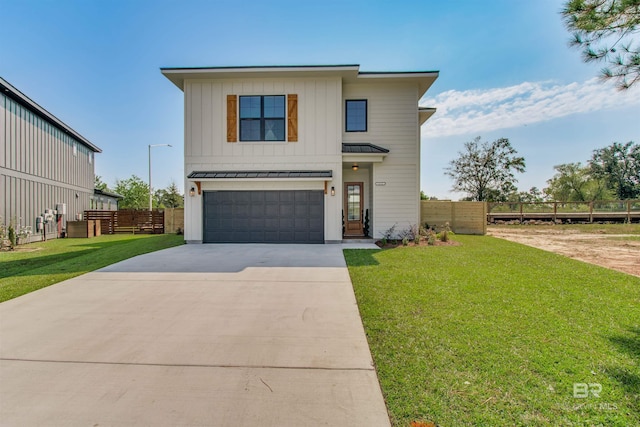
(353, 202)
(353, 199)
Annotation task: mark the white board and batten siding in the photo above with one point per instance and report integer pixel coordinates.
(392, 123)
(319, 124)
(318, 147)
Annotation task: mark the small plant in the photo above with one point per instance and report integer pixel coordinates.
(416, 239)
(365, 227)
(389, 234)
(13, 238)
(415, 231)
(431, 237)
(3, 234)
(409, 233)
(405, 241)
(384, 241)
(444, 234)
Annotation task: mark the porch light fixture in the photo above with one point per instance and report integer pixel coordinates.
(192, 191)
(333, 191)
(354, 167)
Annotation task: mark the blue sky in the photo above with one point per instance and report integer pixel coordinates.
(505, 71)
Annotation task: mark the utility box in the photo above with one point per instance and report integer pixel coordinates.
(61, 208)
(82, 229)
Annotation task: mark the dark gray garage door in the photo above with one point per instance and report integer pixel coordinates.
(264, 216)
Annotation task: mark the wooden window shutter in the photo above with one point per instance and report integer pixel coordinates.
(292, 117)
(232, 118)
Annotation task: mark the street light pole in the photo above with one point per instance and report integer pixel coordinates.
(150, 190)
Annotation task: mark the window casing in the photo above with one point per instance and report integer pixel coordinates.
(262, 118)
(356, 115)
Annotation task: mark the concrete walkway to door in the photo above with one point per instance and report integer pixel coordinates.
(227, 335)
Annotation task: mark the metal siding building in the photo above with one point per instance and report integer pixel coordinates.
(43, 164)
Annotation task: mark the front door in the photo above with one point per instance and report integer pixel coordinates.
(353, 209)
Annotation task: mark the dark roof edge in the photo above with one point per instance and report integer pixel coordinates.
(262, 67)
(399, 72)
(249, 67)
(107, 193)
(31, 105)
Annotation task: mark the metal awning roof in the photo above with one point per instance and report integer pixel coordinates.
(363, 148)
(258, 174)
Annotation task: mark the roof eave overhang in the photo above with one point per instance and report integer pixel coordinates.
(363, 157)
(425, 113)
(178, 75)
(424, 79)
(107, 194)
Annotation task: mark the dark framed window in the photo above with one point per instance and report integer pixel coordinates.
(262, 118)
(356, 115)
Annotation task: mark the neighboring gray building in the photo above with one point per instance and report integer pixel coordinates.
(103, 200)
(46, 168)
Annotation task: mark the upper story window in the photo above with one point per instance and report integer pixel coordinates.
(262, 118)
(356, 115)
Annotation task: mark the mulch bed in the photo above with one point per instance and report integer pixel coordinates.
(423, 242)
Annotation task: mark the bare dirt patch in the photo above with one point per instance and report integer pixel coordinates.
(616, 251)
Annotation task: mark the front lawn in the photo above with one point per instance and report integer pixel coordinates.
(36, 265)
(496, 333)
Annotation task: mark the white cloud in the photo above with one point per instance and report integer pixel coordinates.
(476, 111)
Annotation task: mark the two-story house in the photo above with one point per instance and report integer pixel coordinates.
(47, 173)
(300, 154)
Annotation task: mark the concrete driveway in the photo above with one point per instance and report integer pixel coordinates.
(233, 335)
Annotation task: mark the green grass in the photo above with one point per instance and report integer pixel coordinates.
(37, 265)
(580, 228)
(494, 333)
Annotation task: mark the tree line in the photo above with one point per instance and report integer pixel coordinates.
(135, 194)
(485, 171)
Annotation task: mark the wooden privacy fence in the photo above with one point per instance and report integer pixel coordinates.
(128, 221)
(173, 220)
(463, 217)
(614, 211)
